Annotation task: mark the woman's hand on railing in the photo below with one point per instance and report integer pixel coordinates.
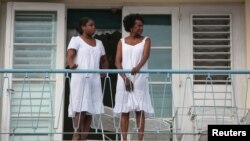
(73, 66)
(135, 70)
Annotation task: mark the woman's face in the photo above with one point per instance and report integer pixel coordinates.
(89, 28)
(137, 29)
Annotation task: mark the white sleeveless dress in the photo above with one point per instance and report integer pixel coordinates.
(85, 89)
(139, 99)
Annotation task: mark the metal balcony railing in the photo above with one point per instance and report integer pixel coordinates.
(31, 104)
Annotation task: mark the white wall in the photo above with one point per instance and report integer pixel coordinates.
(2, 13)
(2, 39)
(2, 32)
(238, 48)
(247, 18)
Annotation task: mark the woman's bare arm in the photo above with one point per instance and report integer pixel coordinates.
(118, 59)
(104, 62)
(71, 53)
(118, 63)
(146, 54)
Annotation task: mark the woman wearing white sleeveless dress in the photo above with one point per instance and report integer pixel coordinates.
(132, 90)
(85, 52)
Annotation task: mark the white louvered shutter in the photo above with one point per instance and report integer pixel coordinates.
(211, 45)
(34, 48)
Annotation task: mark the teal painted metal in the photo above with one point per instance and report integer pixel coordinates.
(160, 71)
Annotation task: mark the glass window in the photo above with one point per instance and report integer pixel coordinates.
(159, 28)
(34, 48)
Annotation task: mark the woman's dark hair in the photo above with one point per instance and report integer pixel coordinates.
(83, 21)
(129, 21)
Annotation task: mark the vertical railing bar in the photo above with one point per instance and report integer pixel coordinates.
(112, 103)
(246, 94)
(152, 99)
(100, 116)
(40, 106)
(185, 90)
(10, 92)
(103, 135)
(176, 120)
(245, 104)
(103, 90)
(61, 104)
(163, 99)
(204, 101)
(235, 105)
(211, 83)
(96, 127)
(245, 111)
(208, 78)
(111, 93)
(31, 105)
(20, 103)
(51, 105)
(193, 113)
(174, 113)
(172, 127)
(225, 99)
(173, 103)
(175, 110)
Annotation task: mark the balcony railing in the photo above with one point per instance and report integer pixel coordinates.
(31, 103)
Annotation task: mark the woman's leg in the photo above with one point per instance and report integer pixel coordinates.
(124, 125)
(140, 121)
(76, 135)
(85, 125)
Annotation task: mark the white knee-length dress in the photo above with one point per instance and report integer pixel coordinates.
(139, 99)
(85, 89)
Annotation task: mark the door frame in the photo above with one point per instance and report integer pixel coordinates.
(237, 42)
(174, 12)
(60, 62)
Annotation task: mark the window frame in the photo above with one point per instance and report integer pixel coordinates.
(174, 12)
(59, 8)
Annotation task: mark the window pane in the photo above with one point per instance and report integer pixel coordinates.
(160, 59)
(159, 29)
(34, 41)
(35, 27)
(162, 101)
(34, 48)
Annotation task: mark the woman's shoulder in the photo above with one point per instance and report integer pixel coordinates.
(142, 38)
(146, 38)
(98, 42)
(123, 39)
(74, 38)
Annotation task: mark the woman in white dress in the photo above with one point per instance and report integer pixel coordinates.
(85, 52)
(132, 90)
